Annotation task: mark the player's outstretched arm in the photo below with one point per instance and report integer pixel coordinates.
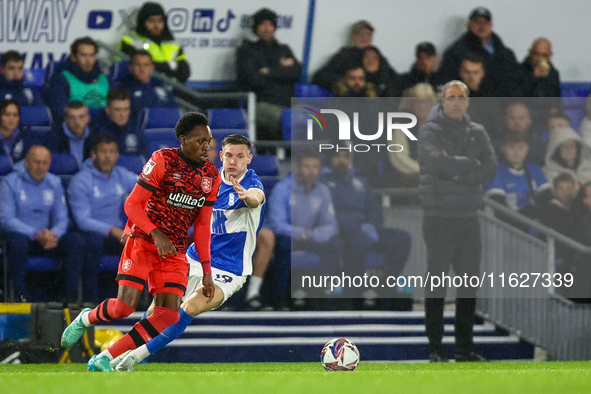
(252, 197)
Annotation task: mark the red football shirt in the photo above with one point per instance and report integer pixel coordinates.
(180, 188)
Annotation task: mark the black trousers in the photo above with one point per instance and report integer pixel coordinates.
(451, 242)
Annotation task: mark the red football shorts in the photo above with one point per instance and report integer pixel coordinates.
(140, 263)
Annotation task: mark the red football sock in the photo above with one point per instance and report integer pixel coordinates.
(110, 309)
(145, 330)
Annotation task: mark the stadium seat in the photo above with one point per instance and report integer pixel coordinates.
(51, 68)
(374, 261)
(110, 262)
(5, 165)
(133, 163)
(265, 165)
(269, 183)
(42, 263)
(220, 134)
(226, 118)
(294, 120)
(303, 260)
(36, 116)
(161, 138)
(576, 117)
(159, 118)
(63, 164)
(311, 90)
(34, 78)
(118, 71)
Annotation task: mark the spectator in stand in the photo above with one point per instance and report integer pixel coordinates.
(483, 111)
(417, 100)
(424, 69)
(561, 214)
(361, 38)
(15, 140)
(354, 84)
(96, 196)
(586, 123)
(70, 136)
(518, 120)
(360, 220)
(502, 71)
(519, 184)
(34, 218)
(568, 153)
(78, 79)
(12, 85)
(115, 121)
(153, 35)
(542, 79)
(270, 70)
(558, 121)
(381, 75)
(302, 217)
(145, 91)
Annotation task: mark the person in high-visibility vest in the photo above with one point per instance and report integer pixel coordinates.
(153, 35)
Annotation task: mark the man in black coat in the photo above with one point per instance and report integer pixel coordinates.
(455, 158)
(542, 78)
(502, 69)
(424, 69)
(270, 70)
(334, 69)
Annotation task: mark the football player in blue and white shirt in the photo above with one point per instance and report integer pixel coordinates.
(236, 219)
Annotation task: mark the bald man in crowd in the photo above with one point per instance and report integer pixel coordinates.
(542, 79)
(34, 219)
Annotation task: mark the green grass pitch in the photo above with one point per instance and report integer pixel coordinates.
(303, 378)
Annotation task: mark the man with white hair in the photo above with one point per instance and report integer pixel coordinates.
(455, 159)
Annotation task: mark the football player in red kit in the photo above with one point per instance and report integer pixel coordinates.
(176, 189)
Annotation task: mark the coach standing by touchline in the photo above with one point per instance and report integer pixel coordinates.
(455, 159)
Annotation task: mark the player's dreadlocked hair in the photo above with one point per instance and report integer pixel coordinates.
(188, 122)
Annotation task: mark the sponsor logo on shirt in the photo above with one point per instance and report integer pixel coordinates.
(185, 201)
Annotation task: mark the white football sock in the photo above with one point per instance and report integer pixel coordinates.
(84, 319)
(106, 353)
(254, 287)
(141, 352)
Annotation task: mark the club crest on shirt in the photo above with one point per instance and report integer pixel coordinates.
(126, 265)
(206, 184)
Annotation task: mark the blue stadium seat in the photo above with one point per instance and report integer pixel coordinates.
(51, 68)
(118, 71)
(269, 183)
(311, 90)
(574, 102)
(110, 262)
(576, 116)
(220, 134)
(226, 118)
(161, 138)
(159, 118)
(303, 260)
(63, 164)
(133, 163)
(5, 165)
(265, 165)
(34, 78)
(294, 124)
(374, 261)
(36, 116)
(42, 263)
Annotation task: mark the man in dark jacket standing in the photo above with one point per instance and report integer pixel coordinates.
(500, 64)
(270, 70)
(455, 157)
